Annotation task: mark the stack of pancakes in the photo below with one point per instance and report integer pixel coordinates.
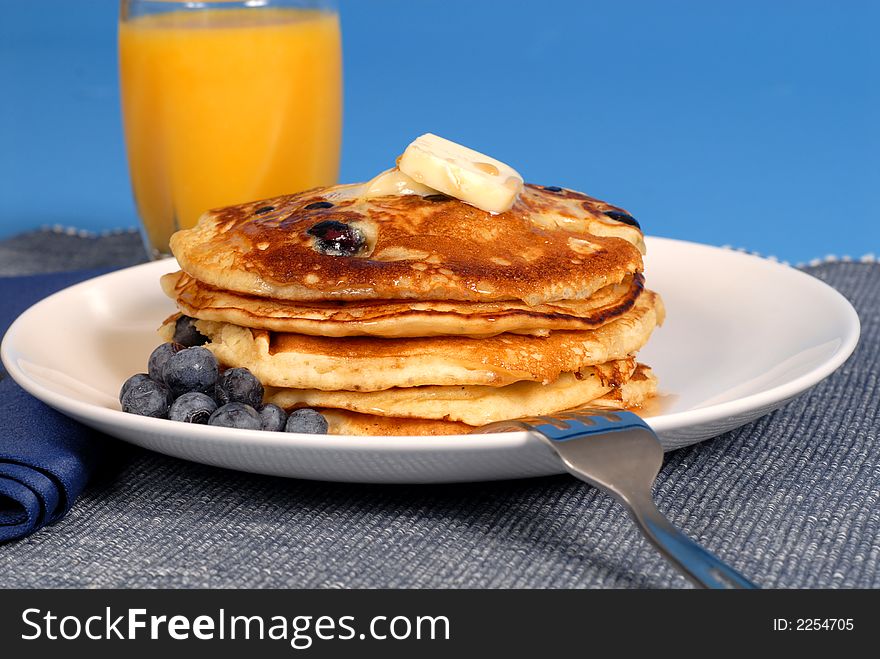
(409, 314)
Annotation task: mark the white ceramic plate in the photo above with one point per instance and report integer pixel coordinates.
(743, 336)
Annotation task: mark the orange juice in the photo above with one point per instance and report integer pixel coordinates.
(227, 106)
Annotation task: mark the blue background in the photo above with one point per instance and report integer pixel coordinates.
(755, 124)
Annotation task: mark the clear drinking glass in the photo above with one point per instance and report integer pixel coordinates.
(226, 102)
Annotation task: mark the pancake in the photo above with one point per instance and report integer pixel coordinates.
(631, 395)
(552, 245)
(371, 364)
(474, 405)
(418, 313)
(344, 422)
(400, 318)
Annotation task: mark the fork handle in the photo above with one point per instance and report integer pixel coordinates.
(701, 567)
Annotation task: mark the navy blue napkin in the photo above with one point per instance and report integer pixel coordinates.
(46, 459)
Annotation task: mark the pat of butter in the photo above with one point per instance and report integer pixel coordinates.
(395, 182)
(460, 172)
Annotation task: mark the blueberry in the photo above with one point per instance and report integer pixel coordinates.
(147, 398)
(137, 378)
(160, 357)
(262, 210)
(626, 218)
(337, 238)
(191, 369)
(318, 204)
(238, 385)
(235, 415)
(272, 417)
(306, 420)
(186, 334)
(193, 407)
(552, 188)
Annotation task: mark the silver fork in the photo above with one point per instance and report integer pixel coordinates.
(620, 454)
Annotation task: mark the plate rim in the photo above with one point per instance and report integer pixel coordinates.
(776, 394)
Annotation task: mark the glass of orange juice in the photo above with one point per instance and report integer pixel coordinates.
(226, 102)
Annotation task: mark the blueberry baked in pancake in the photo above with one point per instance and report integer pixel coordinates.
(441, 295)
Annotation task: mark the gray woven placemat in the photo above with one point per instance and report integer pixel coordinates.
(56, 250)
(790, 500)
